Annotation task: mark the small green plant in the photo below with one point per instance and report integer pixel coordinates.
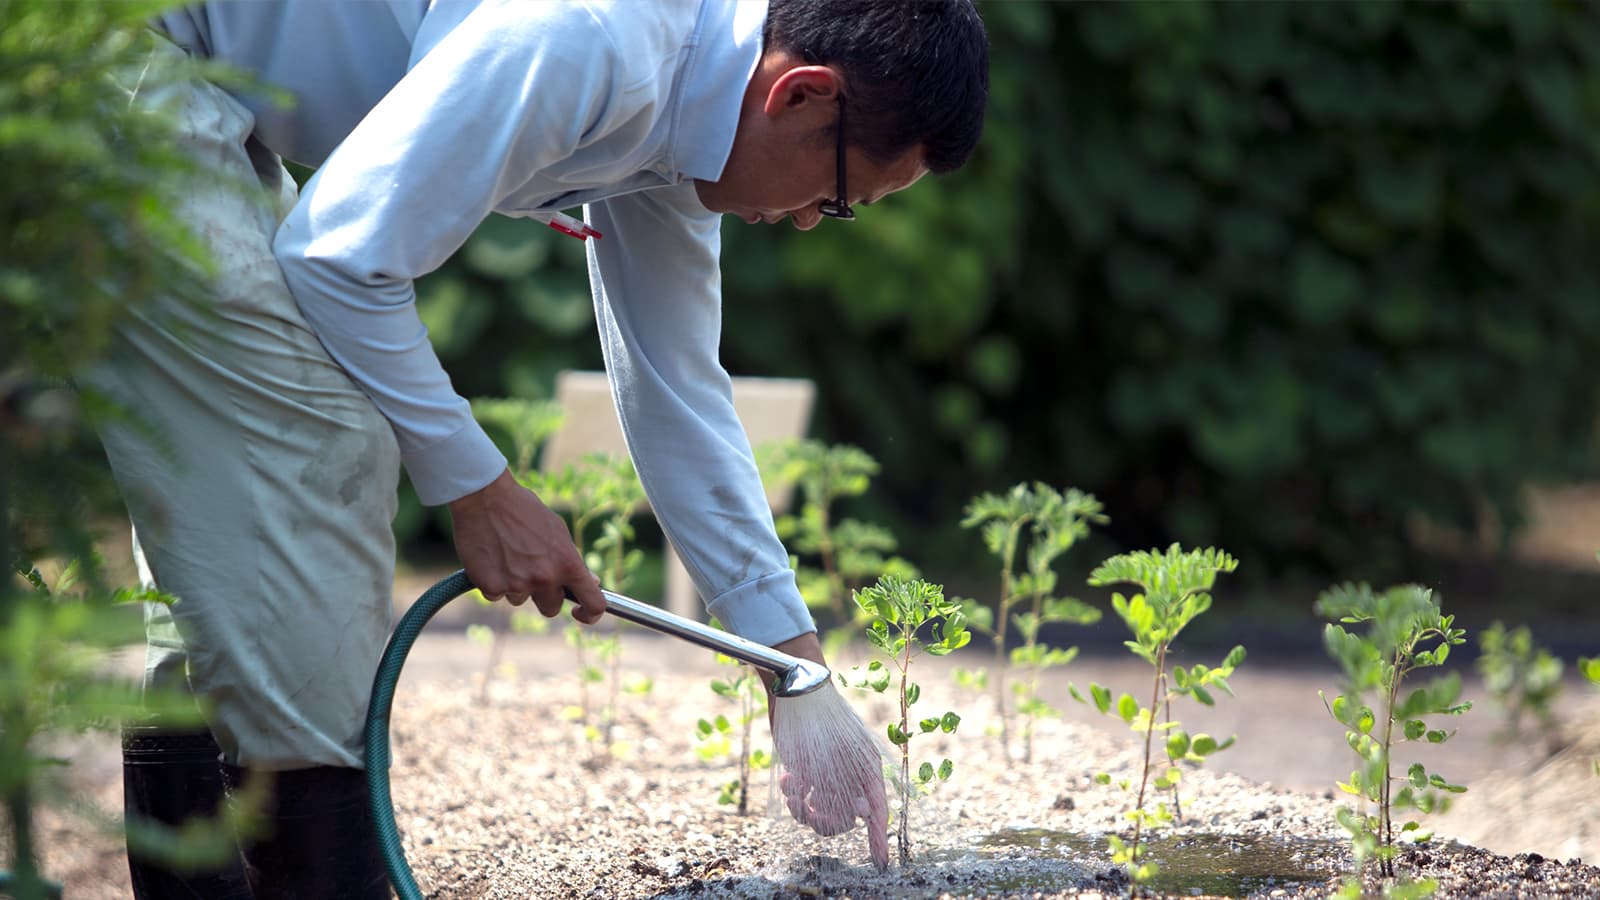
(905, 618)
(1175, 589)
(716, 735)
(1524, 679)
(526, 424)
(602, 492)
(1590, 670)
(848, 552)
(493, 638)
(1405, 631)
(1046, 522)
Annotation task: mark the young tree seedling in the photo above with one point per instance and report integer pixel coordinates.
(1405, 631)
(600, 491)
(1047, 523)
(1524, 680)
(716, 735)
(906, 618)
(526, 424)
(849, 552)
(1176, 588)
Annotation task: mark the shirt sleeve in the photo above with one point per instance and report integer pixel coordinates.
(658, 305)
(510, 90)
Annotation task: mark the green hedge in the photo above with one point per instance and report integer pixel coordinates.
(1272, 276)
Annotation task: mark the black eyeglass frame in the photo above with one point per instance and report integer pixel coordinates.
(838, 207)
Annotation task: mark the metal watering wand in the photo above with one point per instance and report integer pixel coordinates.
(792, 677)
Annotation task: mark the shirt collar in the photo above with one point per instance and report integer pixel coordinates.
(722, 57)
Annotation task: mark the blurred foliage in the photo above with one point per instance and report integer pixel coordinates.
(1278, 277)
(1040, 523)
(86, 192)
(1523, 678)
(848, 553)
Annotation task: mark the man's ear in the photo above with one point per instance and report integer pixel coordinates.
(800, 85)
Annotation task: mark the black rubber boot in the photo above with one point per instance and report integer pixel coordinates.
(169, 777)
(319, 842)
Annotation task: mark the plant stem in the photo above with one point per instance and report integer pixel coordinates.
(1149, 734)
(1031, 641)
(1385, 790)
(747, 712)
(830, 569)
(496, 646)
(1027, 727)
(583, 679)
(903, 832)
(614, 688)
(26, 880)
(1002, 613)
(1166, 705)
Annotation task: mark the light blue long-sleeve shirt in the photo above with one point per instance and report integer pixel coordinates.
(423, 118)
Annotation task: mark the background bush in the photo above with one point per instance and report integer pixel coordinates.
(86, 190)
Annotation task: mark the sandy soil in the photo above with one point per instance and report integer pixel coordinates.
(508, 798)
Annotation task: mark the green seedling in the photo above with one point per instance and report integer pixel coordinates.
(848, 552)
(493, 639)
(1047, 523)
(1176, 588)
(601, 492)
(716, 735)
(906, 618)
(526, 424)
(1405, 631)
(1524, 679)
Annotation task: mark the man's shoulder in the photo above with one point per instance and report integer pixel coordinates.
(624, 21)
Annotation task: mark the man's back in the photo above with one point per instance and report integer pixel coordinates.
(335, 60)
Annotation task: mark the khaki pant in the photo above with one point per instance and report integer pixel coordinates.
(260, 479)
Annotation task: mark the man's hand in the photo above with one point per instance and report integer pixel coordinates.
(837, 779)
(514, 547)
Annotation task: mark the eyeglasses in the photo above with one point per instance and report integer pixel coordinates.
(839, 207)
(836, 208)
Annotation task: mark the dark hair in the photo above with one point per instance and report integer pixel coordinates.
(915, 71)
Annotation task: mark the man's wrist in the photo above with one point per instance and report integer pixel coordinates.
(805, 646)
(469, 500)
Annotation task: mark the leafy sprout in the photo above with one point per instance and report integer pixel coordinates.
(1176, 588)
(1040, 524)
(906, 618)
(1403, 630)
(848, 552)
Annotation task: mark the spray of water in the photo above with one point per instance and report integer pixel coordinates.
(832, 767)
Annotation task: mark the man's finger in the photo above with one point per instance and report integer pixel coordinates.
(589, 604)
(794, 796)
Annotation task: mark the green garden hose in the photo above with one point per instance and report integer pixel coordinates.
(377, 732)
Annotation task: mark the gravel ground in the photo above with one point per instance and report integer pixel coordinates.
(500, 794)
